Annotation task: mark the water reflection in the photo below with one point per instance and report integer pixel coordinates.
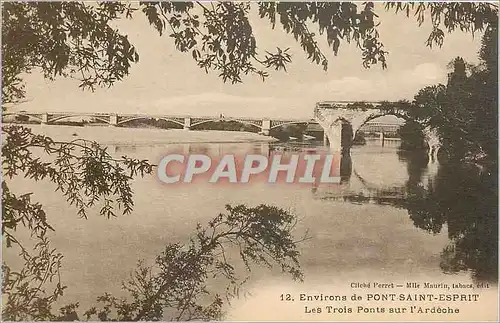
(465, 200)
(345, 168)
(458, 199)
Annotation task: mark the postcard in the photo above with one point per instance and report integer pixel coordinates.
(249, 161)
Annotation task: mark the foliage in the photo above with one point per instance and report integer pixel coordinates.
(411, 136)
(461, 198)
(340, 21)
(83, 172)
(63, 39)
(468, 17)
(465, 110)
(86, 175)
(466, 201)
(427, 105)
(484, 96)
(78, 39)
(426, 110)
(175, 286)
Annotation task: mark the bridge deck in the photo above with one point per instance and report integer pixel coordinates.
(153, 116)
(124, 117)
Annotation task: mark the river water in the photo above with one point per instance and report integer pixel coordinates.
(394, 218)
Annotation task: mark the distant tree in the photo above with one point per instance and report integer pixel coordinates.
(465, 110)
(484, 96)
(411, 136)
(457, 112)
(428, 104)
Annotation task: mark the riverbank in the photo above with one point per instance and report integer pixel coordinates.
(116, 135)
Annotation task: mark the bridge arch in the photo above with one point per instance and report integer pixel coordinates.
(360, 121)
(258, 126)
(149, 118)
(431, 135)
(328, 115)
(22, 114)
(73, 116)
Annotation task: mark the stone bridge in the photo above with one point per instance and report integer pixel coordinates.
(341, 120)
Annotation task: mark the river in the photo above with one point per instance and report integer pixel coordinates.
(394, 218)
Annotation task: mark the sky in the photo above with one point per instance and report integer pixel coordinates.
(169, 82)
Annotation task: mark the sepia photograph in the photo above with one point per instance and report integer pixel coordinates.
(249, 161)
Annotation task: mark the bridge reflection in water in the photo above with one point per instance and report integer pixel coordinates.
(355, 188)
(212, 149)
(458, 198)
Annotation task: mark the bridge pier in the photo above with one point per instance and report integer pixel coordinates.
(113, 120)
(187, 123)
(266, 127)
(382, 138)
(45, 118)
(334, 136)
(264, 149)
